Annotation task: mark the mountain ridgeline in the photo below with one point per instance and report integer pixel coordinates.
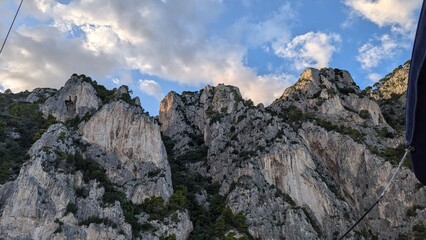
(85, 162)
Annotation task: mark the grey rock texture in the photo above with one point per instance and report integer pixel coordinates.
(308, 165)
(76, 98)
(135, 140)
(86, 182)
(180, 227)
(40, 94)
(305, 167)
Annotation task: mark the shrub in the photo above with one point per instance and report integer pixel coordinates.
(155, 207)
(26, 120)
(213, 115)
(365, 114)
(195, 155)
(71, 208)
(393, 155)
(60, 225)
(419, 231)
(178, 201)
(170, 237)
(384, 132)
(346, 91)
(249, 103)
(411, 212)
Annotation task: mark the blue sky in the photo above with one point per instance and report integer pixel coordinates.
(157, 46)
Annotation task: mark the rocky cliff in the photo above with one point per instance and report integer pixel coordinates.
(214, 165)
(308, 165)
(102, 176)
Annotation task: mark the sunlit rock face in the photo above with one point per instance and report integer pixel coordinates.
(308, 165)
(305, 167)
(135, 140)
(76, 98)
(84, 179)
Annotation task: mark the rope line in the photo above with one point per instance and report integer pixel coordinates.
(381, 195)
(11, 25)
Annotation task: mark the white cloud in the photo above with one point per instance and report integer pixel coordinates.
(167, 39)
(152, 88)
(399, 15)
(34, 60)
(374, 77)
(371, 54)
(396, 13)
(116, 81)
(274, 28)
(123, 78)
(313, 49)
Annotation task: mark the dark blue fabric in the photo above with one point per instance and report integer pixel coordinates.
(416, 101)
(417, 62)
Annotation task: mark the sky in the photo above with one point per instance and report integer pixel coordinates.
(158, 46)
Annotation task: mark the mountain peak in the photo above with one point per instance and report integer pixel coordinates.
(313, 81)
(392, 85)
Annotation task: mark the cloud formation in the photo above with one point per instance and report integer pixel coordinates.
(152, 88)
(372, 53)
(313, 49)
(399, 16)
(374, 77)
(272, 29)
(395, 13)
(168, 39)
(40, 57)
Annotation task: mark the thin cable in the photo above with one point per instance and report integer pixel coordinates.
(10, 28)
(381, 195)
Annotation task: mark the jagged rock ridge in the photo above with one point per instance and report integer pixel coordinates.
(312, 161)
(101, 175)
(305, 167)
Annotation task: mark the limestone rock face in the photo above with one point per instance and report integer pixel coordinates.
(135, 140)
(40, 94)
(37, 203)
(305, 167)
(393, 84)
(180, 227)
(76, 98)
(88, 180)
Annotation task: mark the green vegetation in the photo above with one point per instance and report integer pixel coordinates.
(60, 225)
(394, 155)
(71, 208)
(393, 111)
(194, 155)
(384, 132)
(351, 132)
(338, 72)
(419, 231)
(107, 95)
(249, 103)
(91, 170)
(346, 91)
(296, 117)
(171, 237)
(411, 212)
(237, 96)
(209, 223)
(21, 124)
(365, 114)
(213, 115)
(96, 220)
